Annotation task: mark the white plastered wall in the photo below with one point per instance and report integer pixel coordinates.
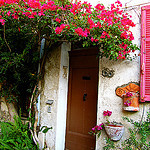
(50, 86)
(55, 87)
(125, 72)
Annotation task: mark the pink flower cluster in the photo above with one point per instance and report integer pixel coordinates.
(82, 33)
(94, 40)
(97, 24)
(124, 50)
(2, 21)
(129, 94)
(59, 30)
(107, 113)
(127, 35)
(97, 128)
(58, 20)
(127, 103)
(75, 8)
(104, 35)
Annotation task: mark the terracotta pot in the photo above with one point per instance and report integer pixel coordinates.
(134, 103)
(114, 132)
(133, 100)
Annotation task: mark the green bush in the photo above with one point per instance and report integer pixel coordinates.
(16, 136)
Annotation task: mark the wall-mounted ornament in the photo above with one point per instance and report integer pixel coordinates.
(107, 73)
(130, 95)
(49, 102)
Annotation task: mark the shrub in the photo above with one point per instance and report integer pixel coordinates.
(16, 136)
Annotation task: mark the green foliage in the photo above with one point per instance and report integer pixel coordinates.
(138, 138)
(139, 135)
(45, 129)
(19, 64)
(24, 25)
(110, 144)
(16, 136)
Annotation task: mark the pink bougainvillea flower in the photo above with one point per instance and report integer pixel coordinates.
(41, 13)
(2, 21)
(34, 4)
(75, 8)
(15, 16)
(97, 23)
(104, 34)
(58, 20)
(99, 128)
(91, 23)
(93, 129)
(8, 13)
(107, 113)
(129, 94)
(99, 7)
(92, 39)
(127, 103)
(58, 30)
(80, 31)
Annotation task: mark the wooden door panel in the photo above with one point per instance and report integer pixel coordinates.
(81, 113)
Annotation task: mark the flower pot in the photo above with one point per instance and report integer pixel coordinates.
(134, 103)
(130, 95)
(114, 132)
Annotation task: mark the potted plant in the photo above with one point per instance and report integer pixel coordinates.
(131, 101)
(113, 129)
(130, 96)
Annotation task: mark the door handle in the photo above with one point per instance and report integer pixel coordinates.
(84, 97)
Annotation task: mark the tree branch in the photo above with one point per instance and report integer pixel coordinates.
(6, 40)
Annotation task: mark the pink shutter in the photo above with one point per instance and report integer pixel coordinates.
(145, 54)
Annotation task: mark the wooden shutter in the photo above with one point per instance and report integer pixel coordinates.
(145, 54)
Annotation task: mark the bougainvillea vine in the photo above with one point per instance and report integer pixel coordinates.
(106, 28)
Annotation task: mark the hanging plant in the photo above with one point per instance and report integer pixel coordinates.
(113, 129)
(130, 96)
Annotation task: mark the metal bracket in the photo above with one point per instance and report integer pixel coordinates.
(49, 102)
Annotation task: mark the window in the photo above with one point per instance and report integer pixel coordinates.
(145, 54)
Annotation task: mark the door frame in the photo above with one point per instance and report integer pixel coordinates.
(63, 97)
(82, 52)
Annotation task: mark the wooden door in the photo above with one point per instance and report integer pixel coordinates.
(82, 99)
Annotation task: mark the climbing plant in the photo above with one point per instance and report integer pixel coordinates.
(24, 23)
